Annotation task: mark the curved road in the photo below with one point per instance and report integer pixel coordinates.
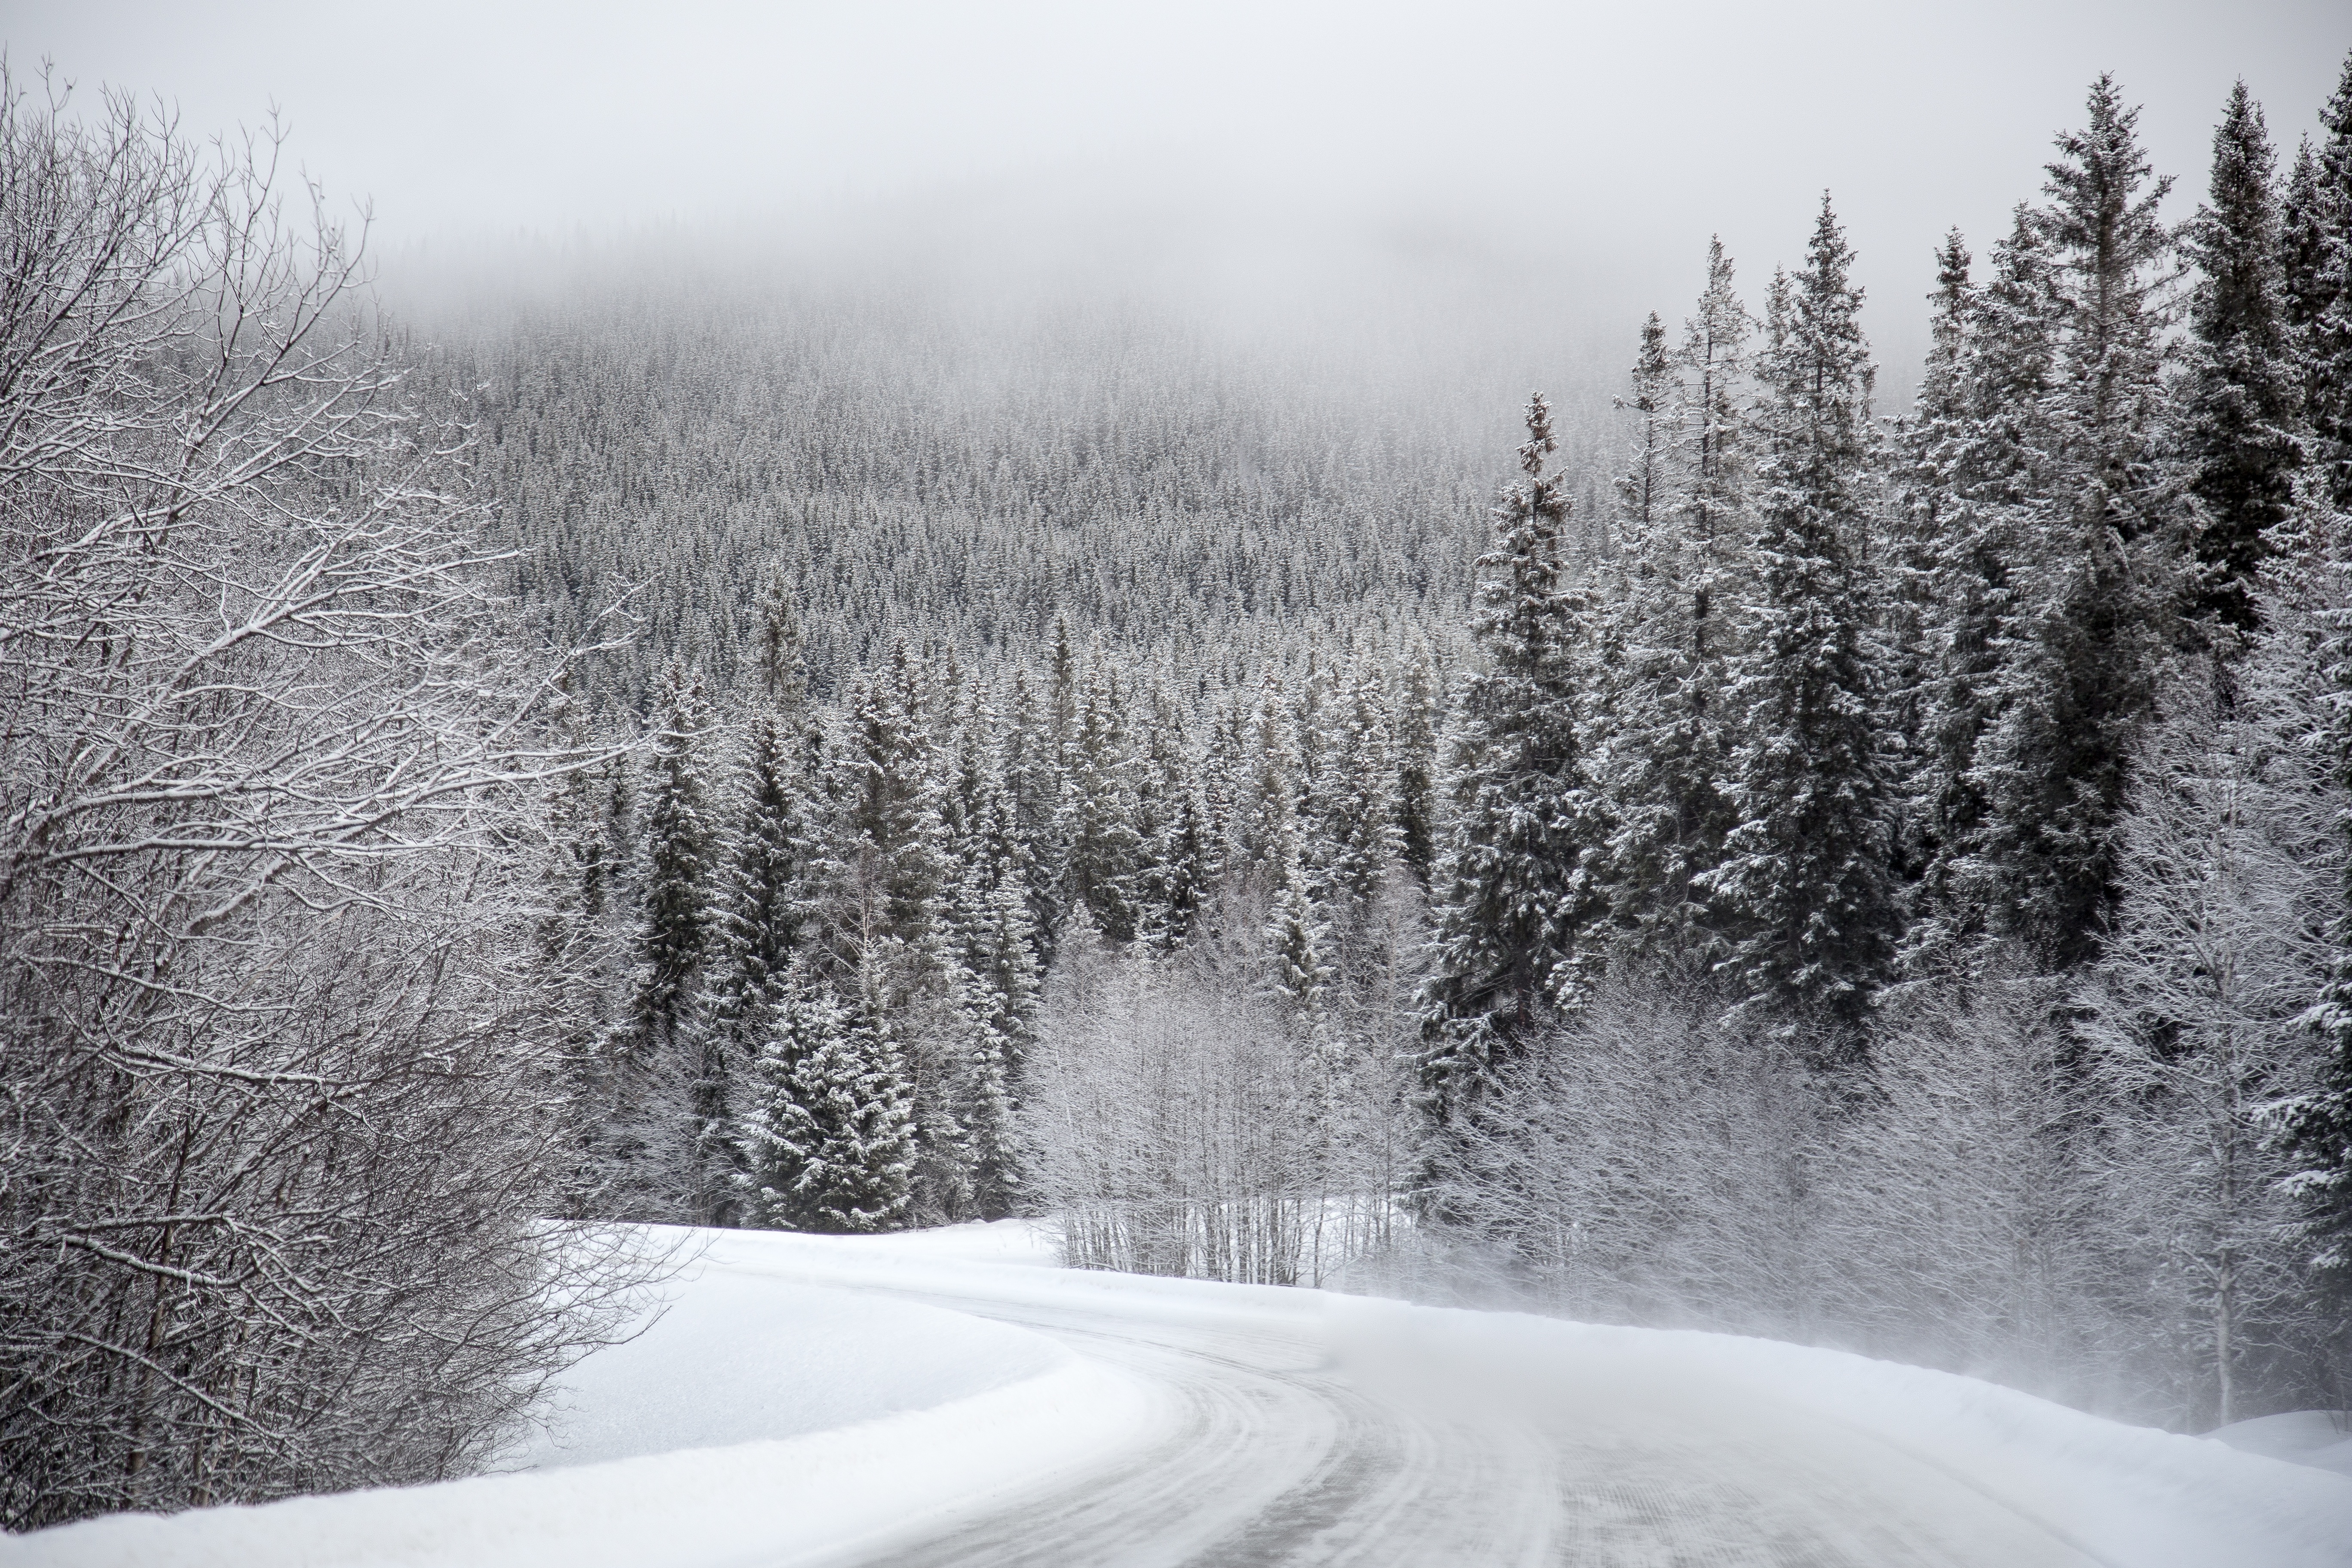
(1282, 1446)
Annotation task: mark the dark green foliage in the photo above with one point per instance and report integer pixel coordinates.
(1805, 885)
(2315, 257)
(2096, 569)
(1518, 897)
(2243, 399)
(828, 1143)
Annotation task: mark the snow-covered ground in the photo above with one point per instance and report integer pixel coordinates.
(951, 1397)
(2317, 1437)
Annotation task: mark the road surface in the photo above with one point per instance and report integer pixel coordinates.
(1293, 1439)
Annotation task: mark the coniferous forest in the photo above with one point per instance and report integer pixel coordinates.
(1873, 876)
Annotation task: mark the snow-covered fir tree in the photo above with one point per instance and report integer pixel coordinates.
(1519, 894)
(2243, 401)
(1669, 633)
(1805, 886)
(829, 1141)
(2099, 573)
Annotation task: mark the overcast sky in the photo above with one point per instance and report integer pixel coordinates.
(1585, 150)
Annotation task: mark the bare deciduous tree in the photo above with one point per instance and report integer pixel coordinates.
(278, 1112)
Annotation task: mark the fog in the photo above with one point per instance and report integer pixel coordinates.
(1545, 172)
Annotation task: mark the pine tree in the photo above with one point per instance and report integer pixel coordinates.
(1356, 828)
(1642, 489)
(1417, 708)
(2316, 255)
(1667, 644)
(882, 938)
(1715, 370)
(1975, 503)
(674, 921)
(1805, 881)
(1178, 847)
(2242, 396)
(1520, 901)
(998, 958)
(828, 1144)
(2315, 1128)
(1295, 930)
(1101, 810)
(1034, 785)
(2095, 612)
(666, 1041)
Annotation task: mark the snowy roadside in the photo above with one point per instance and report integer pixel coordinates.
(795, 1405)
(759, 1419)
(2132, 1497)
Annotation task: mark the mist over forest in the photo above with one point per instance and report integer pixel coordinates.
(1277, 739)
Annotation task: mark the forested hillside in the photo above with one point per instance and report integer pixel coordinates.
(954, 476)
(1854, 874)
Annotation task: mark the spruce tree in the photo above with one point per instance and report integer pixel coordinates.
(1668, 638)
(1805, 885)
(675, 910)
(667, 1041)
(2095, 608)
(2242, 401)
(763, 901)
(1355, 807)
(1099, 810)
(828, 1143)
(1034, 785)
(1295, 932)
(2316, 256)
(1418, 703)
(2316, 1128)
(882, 938)
(1642, 489)
(1976, 509)
(1520, 902)
(998, 955)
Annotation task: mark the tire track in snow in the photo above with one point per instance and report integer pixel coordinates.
(1272, 1454)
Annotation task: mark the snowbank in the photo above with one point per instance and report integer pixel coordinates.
(758, 1418)
(737, 1358)
(2314, 1437)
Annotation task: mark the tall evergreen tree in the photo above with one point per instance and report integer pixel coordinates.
(2317, 1126)
(2243, 399)
(1520, 901)
(667, 1042)
(1355, 804)
(1418, 703)
(1295, 930)
(882, 938)
(763, 900)
(1030, 765)
(1669, 640)
(2095, 619)
(1976, 509)
(999, 956)
(2316, 256)
(1805, 881)
(1100, 809)
(1642, 489)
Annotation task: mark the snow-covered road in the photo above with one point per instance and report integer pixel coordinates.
(949, 1398)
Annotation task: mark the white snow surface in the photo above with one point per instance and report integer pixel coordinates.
(950, 1396)
(2316, 1438)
